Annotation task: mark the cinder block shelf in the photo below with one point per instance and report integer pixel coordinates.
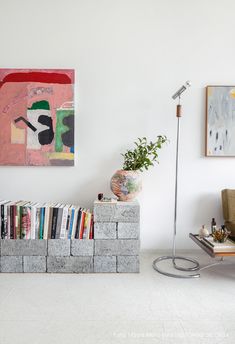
(115, 247)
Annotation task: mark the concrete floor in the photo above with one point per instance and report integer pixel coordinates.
(120, 308)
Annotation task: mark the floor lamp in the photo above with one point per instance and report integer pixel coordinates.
(174, 257)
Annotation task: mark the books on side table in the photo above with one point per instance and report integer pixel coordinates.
(227, 246)
(32, 220)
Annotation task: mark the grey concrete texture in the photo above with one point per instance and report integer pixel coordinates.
(34, 264)
(128, 230)
(116, 212)
(128, 264)
(12, 264)
(58, 247)
(70, 264)
(105, 264)
(117, 247)
(105, 230)
(82, 247)
(31, 247)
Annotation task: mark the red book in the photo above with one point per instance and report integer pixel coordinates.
(81, 231)
(91, 234)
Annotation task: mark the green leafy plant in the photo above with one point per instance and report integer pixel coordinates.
(144, 155)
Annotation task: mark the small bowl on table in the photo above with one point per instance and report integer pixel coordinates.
(220, 235)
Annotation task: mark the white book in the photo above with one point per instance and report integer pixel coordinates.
(46, 221)
(64, 222)
(33, 220)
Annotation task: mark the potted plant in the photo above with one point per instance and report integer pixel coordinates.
(126, 183)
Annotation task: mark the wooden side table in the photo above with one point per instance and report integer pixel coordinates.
(209, 250)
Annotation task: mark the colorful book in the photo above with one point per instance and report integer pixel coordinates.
(81, 229)
(74, 222)
(71, 223)
(87, 222)
(25, 222)
(42, 218)
(91, 236)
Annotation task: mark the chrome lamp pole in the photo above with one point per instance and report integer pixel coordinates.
(174, 257)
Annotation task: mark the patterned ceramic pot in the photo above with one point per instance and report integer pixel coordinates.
(126, 185)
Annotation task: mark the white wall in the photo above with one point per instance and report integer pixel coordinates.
(129, 56)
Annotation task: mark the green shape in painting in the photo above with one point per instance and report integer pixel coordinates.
(61, 128)
(42, 105)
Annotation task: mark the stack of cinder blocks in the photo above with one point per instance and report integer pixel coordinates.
(116, 236)
(53, 255)
(115, 247)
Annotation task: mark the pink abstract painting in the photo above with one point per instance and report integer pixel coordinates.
(37, 117)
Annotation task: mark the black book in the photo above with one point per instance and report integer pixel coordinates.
(78, 223)
(54, 222)
(2, 222)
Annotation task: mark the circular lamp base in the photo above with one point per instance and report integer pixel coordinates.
(174, 258)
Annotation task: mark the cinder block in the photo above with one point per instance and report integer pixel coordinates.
(128, 264)
(34, 247)
(70, 264)
(105, 230)
(83, 247)
(11, 264)
(116, 212)
(58, 247)
(117, 247)
(128, 230)
(34, 264)
(105, 264)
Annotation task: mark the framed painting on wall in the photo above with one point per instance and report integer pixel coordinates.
(37, 117)
(220, 121)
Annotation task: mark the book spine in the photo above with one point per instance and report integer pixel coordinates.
(42, 216)
(50, 222)
(18, 210)
(24, 223)
(63, 223)
(28, 226)
(81, 230)
(46, 220)
(74, 223)
(2, 221)
(78, 223)
(32, 222)
(91, 236)
(67, 223)
(54, 223)
(59, 223)
(86, 223)
(12, 219)
(5, 233)
(37, 225)
(15, 224)
(8, 223)
(71, 224)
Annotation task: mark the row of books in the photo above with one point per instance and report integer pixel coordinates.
(32, 220)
